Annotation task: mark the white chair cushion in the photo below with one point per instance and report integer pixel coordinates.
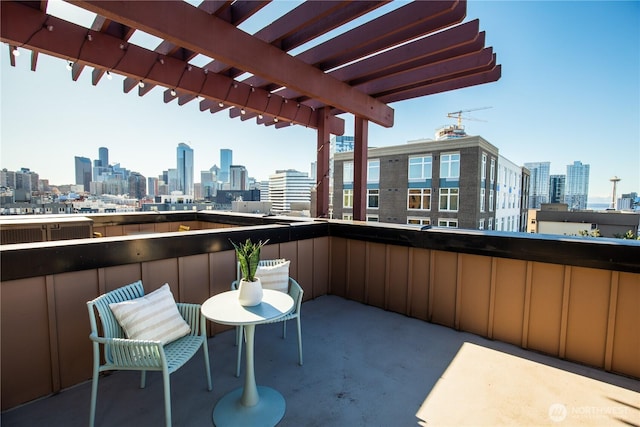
(274, 277)
(154, 316)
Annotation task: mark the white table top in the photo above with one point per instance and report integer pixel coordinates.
(225, 308)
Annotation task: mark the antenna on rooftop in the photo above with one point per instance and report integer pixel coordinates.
(615, 181)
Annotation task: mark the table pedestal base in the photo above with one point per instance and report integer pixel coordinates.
(267, 412)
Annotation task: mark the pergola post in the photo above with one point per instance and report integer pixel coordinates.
(360, 166)
(322, 169)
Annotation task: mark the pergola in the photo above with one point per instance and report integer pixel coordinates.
(417, 49)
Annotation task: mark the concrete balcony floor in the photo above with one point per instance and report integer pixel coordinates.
(363, 366)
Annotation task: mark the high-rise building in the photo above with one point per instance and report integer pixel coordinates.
(556, 188)
(577, 186)
(137, 185)
(239, 178)
(208, 183)
(103, 157)
(539, 185)
(83, 172)
(152, 186)
(508, 195)
(226, 158)
(287, 186)
(448, 183)
(185, 169)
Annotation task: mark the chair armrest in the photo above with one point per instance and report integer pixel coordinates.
(296, 292)
(193, 316)
(234, 285)
(125, 353)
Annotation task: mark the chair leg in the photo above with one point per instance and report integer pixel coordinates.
(143, 379)
(284, 329)
(299, 341)
(239, 356)
(94, 396)
(167, 397)
(205, 349)
(238, 334)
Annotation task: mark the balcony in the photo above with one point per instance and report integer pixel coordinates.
(400, 326)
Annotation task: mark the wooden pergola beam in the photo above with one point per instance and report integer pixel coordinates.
(184, 25)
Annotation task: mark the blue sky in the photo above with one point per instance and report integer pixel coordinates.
(570, 90)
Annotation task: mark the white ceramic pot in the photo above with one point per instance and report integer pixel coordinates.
(250, 292)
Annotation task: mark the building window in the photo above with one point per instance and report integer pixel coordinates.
(482, 200)
(481, 224)
(372, 218)
(484, 166)
(347, 199)
(347, 216)
(449, 199)
(448, 222)
(347, 173)
(419, 198)
(450, 165)
(492, 173)
(491, 200)
(490, 227)
(373, 198)
(417, 220)
(420, 168)
(373, 174)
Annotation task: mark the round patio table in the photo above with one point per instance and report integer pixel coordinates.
(250, 405)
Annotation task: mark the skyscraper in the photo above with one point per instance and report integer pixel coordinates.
(83, 172)
(226, 158)
(286, 186)
(103, 156)
(577, 186)
(556, 188)
(239, 178)
(539, 185)
(185, 169)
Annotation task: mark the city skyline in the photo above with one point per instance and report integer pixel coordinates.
(564, 94)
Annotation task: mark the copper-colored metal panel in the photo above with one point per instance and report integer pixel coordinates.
(270, 251)
(222, 271)
(545, 311)
(397, 279)
(357, 271)
(72, 291)
(339, 261)
(24, 339)
(157, 273)
(444, 287)
(474, 298)
(587, 315)
(115, 230)
(419, 283)
(194, 279)
(375, 287)
(626, 344)
(322, 271)
(162, 227)
(509, 298)
(120, 275)
(289, 250)
(305, 267)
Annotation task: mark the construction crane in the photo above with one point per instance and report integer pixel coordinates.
(458, 115)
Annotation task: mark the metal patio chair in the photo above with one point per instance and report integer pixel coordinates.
(294, 290)
(121, 353)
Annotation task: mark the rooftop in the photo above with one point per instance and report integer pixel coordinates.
(364, 366)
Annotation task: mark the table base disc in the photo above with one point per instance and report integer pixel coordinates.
(267, 412)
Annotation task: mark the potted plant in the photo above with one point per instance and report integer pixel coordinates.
(250, 288)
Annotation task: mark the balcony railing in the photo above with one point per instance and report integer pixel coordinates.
(571, 298)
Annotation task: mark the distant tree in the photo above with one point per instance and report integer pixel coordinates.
(592, 233)
(629, 235)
